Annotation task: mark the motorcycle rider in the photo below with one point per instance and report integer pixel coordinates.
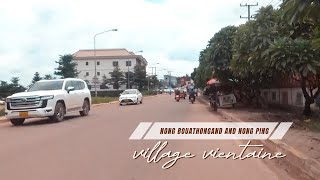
(213, 92)
(192, 94)
(176, 92)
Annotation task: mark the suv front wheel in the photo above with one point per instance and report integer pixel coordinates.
(59, 112)
(86, 108)
(17, 122)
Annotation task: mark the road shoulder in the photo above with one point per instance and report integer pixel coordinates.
(295, 157)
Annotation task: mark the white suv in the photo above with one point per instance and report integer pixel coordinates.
(49, 98)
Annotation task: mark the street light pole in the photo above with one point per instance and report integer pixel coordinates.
(95, 60)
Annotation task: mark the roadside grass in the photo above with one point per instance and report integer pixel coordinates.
(98, 100)
(1, 112)
(313, 124)
(149, 93)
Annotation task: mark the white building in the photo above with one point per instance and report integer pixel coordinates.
(106, 60)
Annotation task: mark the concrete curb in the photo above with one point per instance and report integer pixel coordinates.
(295, 158)
(3, 119)
(114, 102)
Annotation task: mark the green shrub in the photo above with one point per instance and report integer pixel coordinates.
(1, 112)
(107, 93)
(98, 100)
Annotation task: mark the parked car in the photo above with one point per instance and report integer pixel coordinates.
(2, 102)
(49, 98)
(130, 96)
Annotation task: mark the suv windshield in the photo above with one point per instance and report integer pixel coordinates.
(46, 85)
(129, 92)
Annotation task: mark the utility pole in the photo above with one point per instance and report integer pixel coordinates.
(249, 7)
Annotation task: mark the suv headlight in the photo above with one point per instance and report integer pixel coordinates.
(46, 97)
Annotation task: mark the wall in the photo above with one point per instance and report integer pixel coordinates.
(105, 67)
(285, 96)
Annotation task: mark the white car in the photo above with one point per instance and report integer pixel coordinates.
(2, 102)
(130, 96)
(49, 98)
(168, 90)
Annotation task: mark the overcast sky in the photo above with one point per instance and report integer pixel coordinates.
(34, 33)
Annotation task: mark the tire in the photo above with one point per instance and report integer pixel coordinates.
(233, 105)
(141, 101)
(215, 107)
(86, 108)
(17, 122)
(137, 101)
(59, 112)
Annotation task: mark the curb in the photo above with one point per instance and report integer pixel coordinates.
(295, 158)
(114, 102)
(3, 119)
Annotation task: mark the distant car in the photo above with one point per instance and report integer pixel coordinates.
(168, 90)
(130, 96)
(2, 102)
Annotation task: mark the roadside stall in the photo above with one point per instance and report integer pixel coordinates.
(225, 93)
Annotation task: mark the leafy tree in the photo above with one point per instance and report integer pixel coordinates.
(297, 58)
(36, 77)
(131, 78)
(140, 76)
(300, 10)
(116, 76)
(67, 67)
(7, 89)
(48, 77)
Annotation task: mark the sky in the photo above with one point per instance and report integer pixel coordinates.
(34, 33)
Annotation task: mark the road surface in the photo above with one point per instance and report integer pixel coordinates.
(97, 147)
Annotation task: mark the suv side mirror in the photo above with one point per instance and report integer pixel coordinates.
(70, 88)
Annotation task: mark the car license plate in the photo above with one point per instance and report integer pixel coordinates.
(23, 114)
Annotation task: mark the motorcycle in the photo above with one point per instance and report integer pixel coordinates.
(213, 104)
(177, 97)
(192, 100)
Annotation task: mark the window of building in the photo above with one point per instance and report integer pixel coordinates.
(265, 95)
(299, 99)
(115, 63)
(274, 96)
(98, 63)
(98, 73)
(87, 73)
(87, 63)
(128, 63)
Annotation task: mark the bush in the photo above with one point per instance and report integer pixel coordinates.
(98, 100)
(149, 93)
(1, 112)
(107, 93)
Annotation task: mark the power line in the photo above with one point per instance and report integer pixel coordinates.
(249, 8)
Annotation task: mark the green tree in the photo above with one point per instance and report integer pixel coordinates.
(140, 76)
(300, 10)
(131, 77)
(36, 77)
(116, 77)
(297, 58)
(47, 77)
(67, 67)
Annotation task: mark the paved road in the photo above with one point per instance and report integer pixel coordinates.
(97, 147)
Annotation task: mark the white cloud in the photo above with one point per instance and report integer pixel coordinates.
(173, 32)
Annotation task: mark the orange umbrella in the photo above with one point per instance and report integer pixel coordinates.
(212, 81)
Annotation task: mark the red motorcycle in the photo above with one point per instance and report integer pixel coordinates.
(177, 98)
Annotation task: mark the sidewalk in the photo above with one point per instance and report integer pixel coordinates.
(301, 144)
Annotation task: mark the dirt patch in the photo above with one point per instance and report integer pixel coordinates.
(299, 135)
